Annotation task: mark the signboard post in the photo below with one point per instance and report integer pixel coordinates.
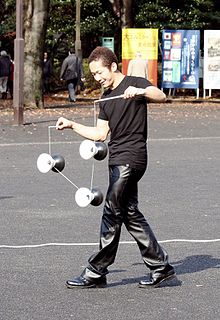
(211, 78)
(144, 41)
(180, 61)
(18, 95)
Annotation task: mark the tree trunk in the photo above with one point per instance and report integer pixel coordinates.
(35, 24)
(124, 12)
(128, 15)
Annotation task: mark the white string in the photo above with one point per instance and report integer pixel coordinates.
(92, 175)
(49, 138)
(49, 141)
(93, 160)
(66, 178)
(94, 123)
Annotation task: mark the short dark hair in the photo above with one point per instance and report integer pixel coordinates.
(106, 55)
(72, 50)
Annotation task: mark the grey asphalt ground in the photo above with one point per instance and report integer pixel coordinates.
(45, 238)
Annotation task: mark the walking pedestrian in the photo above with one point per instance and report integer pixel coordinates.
(138, 67)
(47, 72)
(5, 66)
(10, 84)
(72, 72)
(126, 120)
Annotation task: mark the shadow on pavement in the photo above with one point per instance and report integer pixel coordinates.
(196, 263)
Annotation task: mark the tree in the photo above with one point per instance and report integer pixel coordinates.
(172, 14)
(53, 21)
(97, 20)
(35, 23)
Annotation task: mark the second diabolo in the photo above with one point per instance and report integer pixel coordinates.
(46, 162)
(89, 149)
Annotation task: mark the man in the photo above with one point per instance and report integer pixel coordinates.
(10, 83)
(47, 72)
(5, 67)
(72, 72)
(138, 67)
(126, 119)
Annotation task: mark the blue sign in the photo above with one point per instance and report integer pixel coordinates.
(180, 61)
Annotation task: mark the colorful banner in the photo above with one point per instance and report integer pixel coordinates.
(144, 41)
(211, 59)
(180, 61)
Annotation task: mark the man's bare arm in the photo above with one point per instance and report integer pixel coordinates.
(97, 133)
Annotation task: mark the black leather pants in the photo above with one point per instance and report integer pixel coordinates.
(121, 206)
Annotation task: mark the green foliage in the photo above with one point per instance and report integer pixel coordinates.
(96, 21)
(7, 16)
(181, 14)
(96, 18)
(61, 18)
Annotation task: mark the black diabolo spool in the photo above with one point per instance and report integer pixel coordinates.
(97, 197)
(59, 163)
(101, 150)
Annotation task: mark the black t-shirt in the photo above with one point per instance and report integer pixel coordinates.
(128, 124)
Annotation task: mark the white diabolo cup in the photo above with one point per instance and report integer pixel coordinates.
(45, 163)
(89, 149)
(83, 197)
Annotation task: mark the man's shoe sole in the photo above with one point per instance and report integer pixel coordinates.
(92, 285)
(148, 286)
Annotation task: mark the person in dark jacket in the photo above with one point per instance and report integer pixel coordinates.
(10, 83)
(72, 72)
(47, 72)
(5, 66)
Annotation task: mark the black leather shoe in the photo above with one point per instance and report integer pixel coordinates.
(84, 283)
(155, 280)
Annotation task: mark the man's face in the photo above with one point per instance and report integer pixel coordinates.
(102, 74)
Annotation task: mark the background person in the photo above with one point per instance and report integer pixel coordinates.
(10, 83)
(5, 67)
(47, 72)
(138, 67)
(126, 119)
(72, 72)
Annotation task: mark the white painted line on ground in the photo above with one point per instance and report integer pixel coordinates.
(24, 144)
(96, 243)
(184, 139)
(13, 144)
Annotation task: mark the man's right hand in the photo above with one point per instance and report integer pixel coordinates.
(63, 123)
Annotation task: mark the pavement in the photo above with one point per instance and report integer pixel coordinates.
(45, 238)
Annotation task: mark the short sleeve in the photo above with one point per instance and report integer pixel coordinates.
(102, 115)
(143, 83)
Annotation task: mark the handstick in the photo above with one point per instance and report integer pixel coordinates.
(110, 98)
(115, 97)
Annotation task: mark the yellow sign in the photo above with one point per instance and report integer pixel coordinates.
(142, 40)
